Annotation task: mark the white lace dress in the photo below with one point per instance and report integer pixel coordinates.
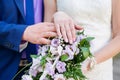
(95, 17)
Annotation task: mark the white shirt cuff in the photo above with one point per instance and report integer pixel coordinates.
(23, 46)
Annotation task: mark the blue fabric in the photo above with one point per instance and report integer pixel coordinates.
(29, 12)
(12, 26)
(31, 48)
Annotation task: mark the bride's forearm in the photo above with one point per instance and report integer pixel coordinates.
(108, 51)
(50, 8)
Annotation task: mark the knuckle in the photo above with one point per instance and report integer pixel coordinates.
(62, 28)
(64, 32)
(72, 28)
(56, 25)
(69, 35)
(70, 20)
(64, 36)
(38, 41)
(66, 21)
(68, 30)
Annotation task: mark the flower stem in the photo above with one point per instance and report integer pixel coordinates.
(21, 70)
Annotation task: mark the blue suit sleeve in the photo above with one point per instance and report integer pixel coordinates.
(11, 35)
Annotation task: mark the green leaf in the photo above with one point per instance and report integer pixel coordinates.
(85, 42)
(78, 58)
(43, 60)
(85, 51)
(64, 57)
(89, 38)
(34, 56)
(80, 32)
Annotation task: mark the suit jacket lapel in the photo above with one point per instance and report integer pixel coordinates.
(20, 6)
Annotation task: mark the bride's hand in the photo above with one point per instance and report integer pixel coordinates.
(65, 26)
(88, 64)
(85, 66)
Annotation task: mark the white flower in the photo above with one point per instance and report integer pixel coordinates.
(26, 77)
(56, 51)
(59, 77)
(53, 50)
(60, 48)
(36, 67)
(36, 62)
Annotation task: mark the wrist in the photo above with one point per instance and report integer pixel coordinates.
(93, 62)
(24, 37)
(88, 64)
(59, 13)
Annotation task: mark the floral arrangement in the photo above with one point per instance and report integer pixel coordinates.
(60, 60)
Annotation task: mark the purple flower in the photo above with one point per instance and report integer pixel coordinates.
(55, 42)
(36, 67)
(74, 48)
(42, 50)
(50, 69)
(26, 77)
(69, 52)
(80, 37)
(33, 72)
(59, 77)
(61, 66)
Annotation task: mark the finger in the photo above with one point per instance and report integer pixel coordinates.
(73, 31)
(44, 41)
(50, 29)
(77, 27)
(58, 30)
(63, 31)
(69, 33)
(49, 24)
(48, 34)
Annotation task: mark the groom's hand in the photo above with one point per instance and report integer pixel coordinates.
(39, 33)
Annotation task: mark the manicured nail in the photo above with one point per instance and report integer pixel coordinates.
(74, 39)
(66, 40)
(71, 41)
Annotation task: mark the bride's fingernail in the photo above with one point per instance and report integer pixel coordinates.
(66, 40)
(74, 39)
(71, 41)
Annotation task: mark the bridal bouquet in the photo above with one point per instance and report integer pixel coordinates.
(60, 60)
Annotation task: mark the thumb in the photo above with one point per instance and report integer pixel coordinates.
(77, 27)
